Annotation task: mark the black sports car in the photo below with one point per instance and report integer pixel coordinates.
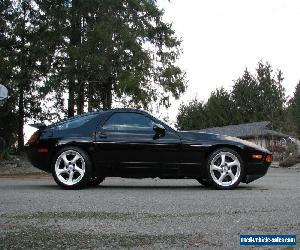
(83, 150)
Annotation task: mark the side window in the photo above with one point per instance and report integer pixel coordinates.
(74, 123)
(128, 122)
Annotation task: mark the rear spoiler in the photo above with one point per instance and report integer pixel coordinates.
(38, 125)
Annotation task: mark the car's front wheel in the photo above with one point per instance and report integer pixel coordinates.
(224, 169)
(71, 168)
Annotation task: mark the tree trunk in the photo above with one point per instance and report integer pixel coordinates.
(107, 94)
(80, 98)
(90, 98)
(71, 100)
(22, 82)
(21, 119)
(80, 77)
(74, 41)
(80, 90)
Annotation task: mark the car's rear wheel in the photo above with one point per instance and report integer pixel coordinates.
(224, 169)
(71, 168)
(95, 181)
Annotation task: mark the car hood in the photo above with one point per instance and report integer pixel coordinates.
(196, 136)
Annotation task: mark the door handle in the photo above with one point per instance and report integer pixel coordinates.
(102, 135)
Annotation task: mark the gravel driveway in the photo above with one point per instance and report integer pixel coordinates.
(146, 213)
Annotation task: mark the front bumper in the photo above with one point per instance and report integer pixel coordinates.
(255, 171)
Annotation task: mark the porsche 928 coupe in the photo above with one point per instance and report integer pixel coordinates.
(82, 151)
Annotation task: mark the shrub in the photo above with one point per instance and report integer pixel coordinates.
(290, 161)
(5, 155)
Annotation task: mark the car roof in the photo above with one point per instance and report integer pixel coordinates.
(129, 110)
(101, 112)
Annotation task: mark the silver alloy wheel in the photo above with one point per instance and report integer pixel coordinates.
(225, 169)
(70, 167)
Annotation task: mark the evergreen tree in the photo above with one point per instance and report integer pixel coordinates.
(253, 98)
(271, 98)
(192, 116)
(245, 96)
(219, 109)
(260, 97)
(295, 109)
(8, 114)
(116, 50)
(22, 61)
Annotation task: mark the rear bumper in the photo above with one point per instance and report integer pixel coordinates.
(37, 159)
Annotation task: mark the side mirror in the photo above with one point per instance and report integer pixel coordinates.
(159, 129)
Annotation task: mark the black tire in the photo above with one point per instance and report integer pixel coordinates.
(95, 181)
(203, 182)
(236, 170)
(86, 174)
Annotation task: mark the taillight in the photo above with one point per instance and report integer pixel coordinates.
(32, 139)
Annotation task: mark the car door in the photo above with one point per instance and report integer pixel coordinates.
(127, 140)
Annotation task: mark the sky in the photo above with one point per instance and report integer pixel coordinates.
(221, 38)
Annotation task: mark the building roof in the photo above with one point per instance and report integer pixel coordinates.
(246, 130)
